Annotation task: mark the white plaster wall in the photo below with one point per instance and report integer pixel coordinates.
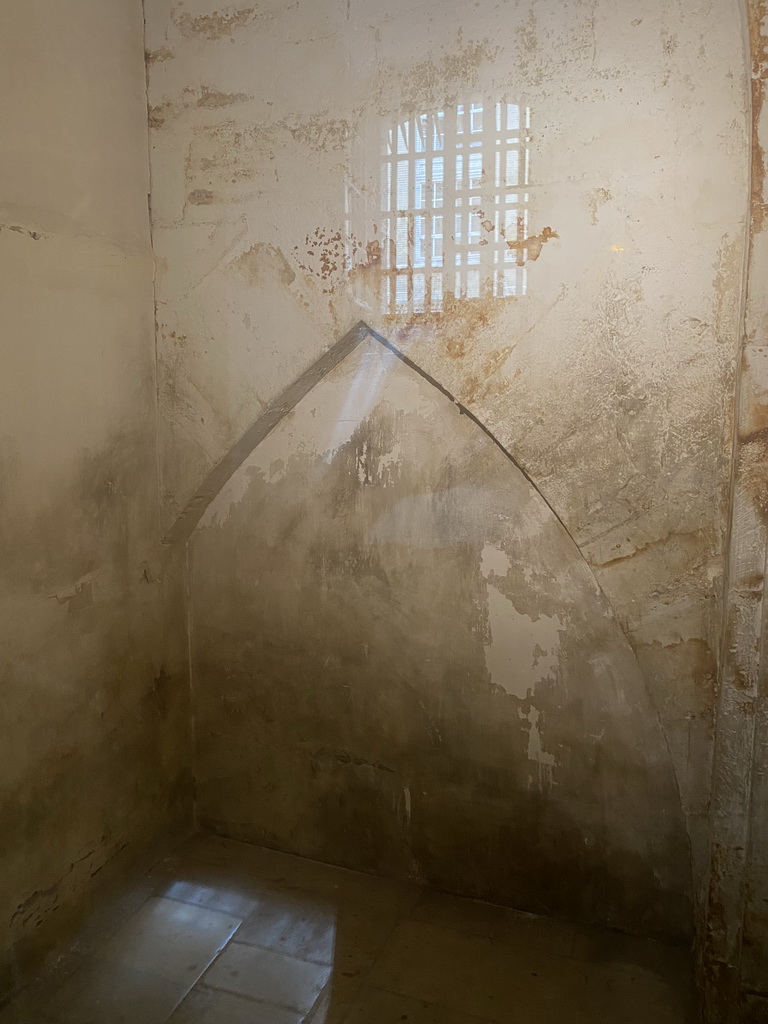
(87, 761)
(611, 381)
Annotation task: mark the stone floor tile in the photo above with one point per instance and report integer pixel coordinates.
(473, 974)
(603, 995)
(473, 917)
(626, 952)
(172, 940)
(106, 993)
(469, 973)
(375, 1006)
(267, 977)
(212, 890)
(270, 870)
(262, 937)
(297, 924)
(343, 935)
(211, 1006)
(335, 1001)
(24, 1009)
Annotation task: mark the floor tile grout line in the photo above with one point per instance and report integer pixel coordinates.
(307, 1018)
(204, 971)
(384, 945)
(414, 900)
(261, 1002)
(281, 952)
(200, 906)
(365, 974)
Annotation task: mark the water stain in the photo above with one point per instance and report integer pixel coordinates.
(158, 56)
(439, 79)
(595, 199)
(202, 98)
(200, 197)
(321, 133)
(215, 25)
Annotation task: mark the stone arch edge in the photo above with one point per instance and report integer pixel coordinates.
(189, 518)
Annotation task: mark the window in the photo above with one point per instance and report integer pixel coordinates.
(454, 206)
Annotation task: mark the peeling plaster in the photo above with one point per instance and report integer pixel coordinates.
(610, 380)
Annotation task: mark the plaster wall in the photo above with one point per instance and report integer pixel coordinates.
(93, 705)
(734, 980)
(403, 664)
(611, 380)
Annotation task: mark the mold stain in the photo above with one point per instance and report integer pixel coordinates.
(322, 134)
(263, 264)
(223, 156)
(203, 98)
(20, 230)
(595, 199)
(215, 25)
(158, 56)
(318, 514)
(200, 197)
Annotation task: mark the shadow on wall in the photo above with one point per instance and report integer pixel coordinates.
(402, 664)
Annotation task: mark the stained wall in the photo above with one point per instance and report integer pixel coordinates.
(403, 664)
(611, 379)
(734, 976)
(93, 706)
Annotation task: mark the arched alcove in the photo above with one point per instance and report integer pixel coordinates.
(402, 663)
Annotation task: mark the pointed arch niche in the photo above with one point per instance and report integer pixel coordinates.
(403, 664)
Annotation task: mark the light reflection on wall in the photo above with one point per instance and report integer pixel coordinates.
(454, 206)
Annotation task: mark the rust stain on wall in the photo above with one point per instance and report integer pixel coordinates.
(457, 327)
(757, 13)
(334, 257)
(533, 245)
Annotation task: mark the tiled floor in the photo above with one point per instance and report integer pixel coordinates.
(224, 933)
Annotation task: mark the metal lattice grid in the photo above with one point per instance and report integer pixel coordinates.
(454, 206)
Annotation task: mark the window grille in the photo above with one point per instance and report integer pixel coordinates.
(454, 206)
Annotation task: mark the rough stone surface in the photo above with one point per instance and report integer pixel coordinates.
(734, 976)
